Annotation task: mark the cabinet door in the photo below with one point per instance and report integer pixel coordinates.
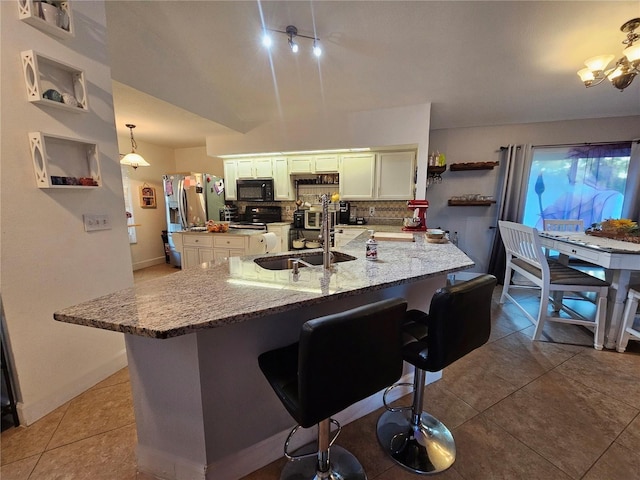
(281, 179)
(302, 164)
(357, 176)
(190, 257)
(205, 255)
(230, 177)
(244, 168)
(326, 163)
(395, 175)
(263, 167)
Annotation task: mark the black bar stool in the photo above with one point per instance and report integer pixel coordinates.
(339, 360)
(458, 322)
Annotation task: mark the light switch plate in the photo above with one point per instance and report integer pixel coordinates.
(96, 222)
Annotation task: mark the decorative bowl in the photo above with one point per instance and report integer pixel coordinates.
(435, 233)
(312, 244)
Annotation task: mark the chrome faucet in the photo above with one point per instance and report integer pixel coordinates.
(326, 233)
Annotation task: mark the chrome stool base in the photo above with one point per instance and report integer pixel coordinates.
(425, 448)
(343, 466)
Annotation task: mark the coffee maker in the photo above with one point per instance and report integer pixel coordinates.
(344, 213)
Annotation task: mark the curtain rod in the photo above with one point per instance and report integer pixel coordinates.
(585, 144)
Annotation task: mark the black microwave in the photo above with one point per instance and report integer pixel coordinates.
(259, 190)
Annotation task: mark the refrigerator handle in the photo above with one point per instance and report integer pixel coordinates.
(182, 210)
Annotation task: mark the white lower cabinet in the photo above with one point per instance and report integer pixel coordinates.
(199, 248)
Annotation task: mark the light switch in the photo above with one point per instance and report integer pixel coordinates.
(96, 222)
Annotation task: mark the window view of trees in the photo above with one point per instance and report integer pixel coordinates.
(585, 182)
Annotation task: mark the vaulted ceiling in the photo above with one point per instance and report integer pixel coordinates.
(186, 69)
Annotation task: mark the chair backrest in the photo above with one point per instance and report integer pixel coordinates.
(523, 242)
(459, 321)
(346, 357)
(563, 225)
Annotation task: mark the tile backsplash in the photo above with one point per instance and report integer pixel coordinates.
(386, 212)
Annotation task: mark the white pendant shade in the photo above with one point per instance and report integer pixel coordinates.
(134, 160)
(586, 75)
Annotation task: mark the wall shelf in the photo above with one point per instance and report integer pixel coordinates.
(29, 12)
(471, 203)
(62, 162)
(42, 74)
(456, 167)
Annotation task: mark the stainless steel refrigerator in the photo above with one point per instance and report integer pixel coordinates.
(191, 199)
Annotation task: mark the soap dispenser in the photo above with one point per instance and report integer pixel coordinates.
(371, 247)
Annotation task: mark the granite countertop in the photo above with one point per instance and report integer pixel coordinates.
(218, 294)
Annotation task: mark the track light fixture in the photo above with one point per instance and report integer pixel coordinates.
(292, 33)
(133, 159)
(625, 69)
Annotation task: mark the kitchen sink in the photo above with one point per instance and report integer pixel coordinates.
(284, 262)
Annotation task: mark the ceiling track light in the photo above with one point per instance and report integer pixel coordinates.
(292, 33)
(625, 69)
(133, 159)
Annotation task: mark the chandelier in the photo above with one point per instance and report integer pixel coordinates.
(133, 159)
(292, 33)
(625, 69)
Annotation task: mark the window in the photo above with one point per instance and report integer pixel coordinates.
(578, 182)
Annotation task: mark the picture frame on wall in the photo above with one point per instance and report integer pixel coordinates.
(148, 197)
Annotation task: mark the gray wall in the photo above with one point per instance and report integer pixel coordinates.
(482, 144)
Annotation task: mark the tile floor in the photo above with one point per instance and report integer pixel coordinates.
(517, 410)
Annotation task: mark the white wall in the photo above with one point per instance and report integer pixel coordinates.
(48, 260)
(196, 160)
(376, 128)
(482, 144)
(149, 249)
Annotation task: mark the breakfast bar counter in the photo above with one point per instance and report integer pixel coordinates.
(202, 407)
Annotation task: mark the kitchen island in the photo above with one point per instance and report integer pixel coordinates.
(203, 409)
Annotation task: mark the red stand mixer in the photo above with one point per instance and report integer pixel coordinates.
(419, 208)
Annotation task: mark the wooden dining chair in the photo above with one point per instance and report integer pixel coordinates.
(524, 256)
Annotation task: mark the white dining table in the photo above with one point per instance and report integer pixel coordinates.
(619, 258)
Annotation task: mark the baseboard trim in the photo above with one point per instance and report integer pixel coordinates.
(148, 263)
(28, 413)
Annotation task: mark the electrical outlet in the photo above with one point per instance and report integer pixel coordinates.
(287, 208)
(372, 211)
(96, 222)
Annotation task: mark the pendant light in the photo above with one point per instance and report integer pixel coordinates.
(133, 159)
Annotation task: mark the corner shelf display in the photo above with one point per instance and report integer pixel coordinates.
(53, 17)
(62, 162)
(456, 167)
(53, 83)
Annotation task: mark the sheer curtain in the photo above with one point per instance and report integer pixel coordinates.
(515, 163)
(631, 205)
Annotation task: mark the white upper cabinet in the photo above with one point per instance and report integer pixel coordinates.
(395, 175)
(230, 177)
(301, 164)
(263, 167)
(253, 167)
(283, 185)
(357, 176)
(326, 163)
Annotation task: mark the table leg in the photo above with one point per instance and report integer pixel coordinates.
(615, 305)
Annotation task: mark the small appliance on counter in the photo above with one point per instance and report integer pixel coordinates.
(419, 220)
(344, 213)
(298, 219)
